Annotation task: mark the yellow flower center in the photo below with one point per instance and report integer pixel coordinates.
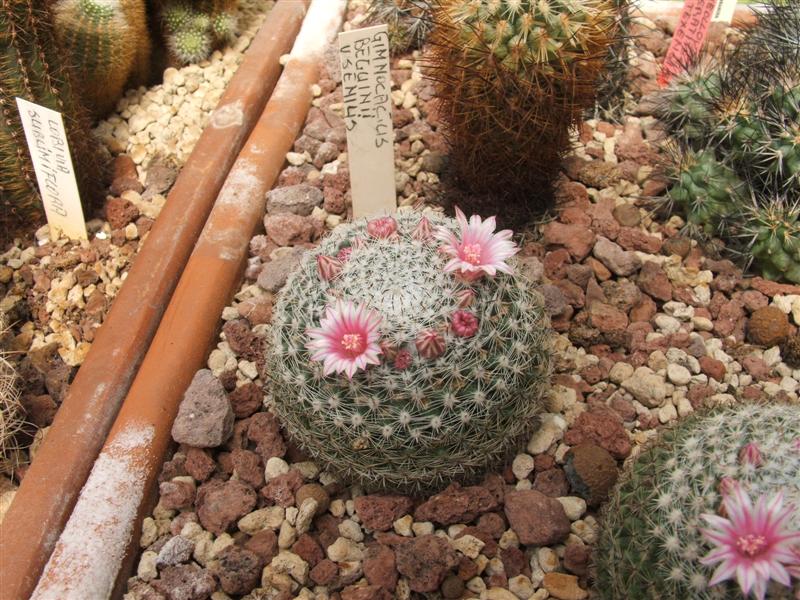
(472, 253)
(353, 342)
(750, 544)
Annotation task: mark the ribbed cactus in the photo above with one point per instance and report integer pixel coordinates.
(31, 68)
(512, 77)
(409, 21)
(194, 29)
(453, 364)
(109, 45)
(651, 544)
(771, 234)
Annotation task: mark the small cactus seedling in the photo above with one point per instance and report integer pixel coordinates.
(512, 77)
(409, 21)
(715, 499)
(403, 363)
(194, 29)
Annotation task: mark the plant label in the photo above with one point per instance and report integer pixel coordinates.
(724, 11)
(47, 144)
(366, 89)
(688, 38)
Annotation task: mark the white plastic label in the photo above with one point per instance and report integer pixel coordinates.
(366, 88)
(47, 143)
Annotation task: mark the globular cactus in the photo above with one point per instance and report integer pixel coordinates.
(11, 412)
(613, 86)
(108, 43)
(687, 105)
(32, 68)
(194, 29)
(512, 77)
(661, 523)
(770, 234)
(409, 21)
(446, 370)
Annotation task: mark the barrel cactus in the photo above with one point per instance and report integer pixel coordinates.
(194, 29)
(711, 511)
(771, 232)
(403, 362)
(512, 77)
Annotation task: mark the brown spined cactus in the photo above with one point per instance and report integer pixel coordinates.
(11, 411)
(512, 77)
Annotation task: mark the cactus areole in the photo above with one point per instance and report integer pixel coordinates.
(406, 353)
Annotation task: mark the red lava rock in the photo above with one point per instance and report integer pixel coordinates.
(572, 215)
(492, 523)
(622, 294)
(335, 201)
(756, 367)
(456, 505)
(599, 269)
(654, 282)
(248, 467)
(601, 428)
(257, 311)
(264, 543)
(246, 399)
(513, 560)
(124, 176)
(621, 262)
(551, 483)
(378, 512)
(265, 432)
(636, 239)
(120, 212)
(572, 293)
(221, 504)
(365, 592)
(772, 288)
(644, 310)
(176, 494)
(238, 570)
(380, 568)
(280, 490)
(576, 559)
(579, 274)
(610, 321)
(426, 560)
(753, 300)
(324, 572)
(205, 418)
(712, 367)
(289, 229)
(555, 264)
(768, 326)
(577, 239)
(536, 519)
(199, 464)
(242, 340)
(572, 194)
(467, 569)
(185, 582)
(307, 548)
(730, 320)
(39, 410)
(698, 393)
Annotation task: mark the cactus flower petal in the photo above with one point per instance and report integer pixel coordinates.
(480, 251)
(328, 267)
(750, 454)
(754, 544)
(382, 228)
(347, 338)
(430, 343)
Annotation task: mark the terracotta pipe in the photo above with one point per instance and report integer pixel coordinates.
(88, 557)
(51, 485)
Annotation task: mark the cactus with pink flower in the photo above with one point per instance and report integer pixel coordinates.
(710, 511)
(405, 351)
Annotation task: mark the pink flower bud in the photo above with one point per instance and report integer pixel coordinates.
(382, 227)
(465, 298)
(423, 232)
(429, 343)
(727, 485)
(750, 454)
(344, 254)
(328, 267)
(402, 360)
(464, 323)
(388, 349)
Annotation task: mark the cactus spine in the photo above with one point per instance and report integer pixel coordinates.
(11, 411)
(30, 68)
(193, 30)
(109, 44)
(650, 544)
(512, 78)
(409, 21)
(445, 402)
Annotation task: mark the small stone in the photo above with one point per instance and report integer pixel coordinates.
(315, 491)
(627, 215)
(220, 504)
(647, 387)
(274, 273)
(425, 561)
(453, 587)
(275, 466)
(238, 570)
(147, 571)
(270, 517)
(205, 417)
(551, 429)
(288, 229)
(293, 565)
(564, 587)
(619, 261)
(678, 374)
(377, 512)
(177, 550)
(574, 507)
(456, 504)
(522, 466)
(536, 519)
(591, 471)
(768, 326)
(344, 550)
(469, 546)
(296, 199)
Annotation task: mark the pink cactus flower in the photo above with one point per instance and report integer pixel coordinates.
(465, 298)
(754, 544)
(480, 251)
(423, 232)
(464, 323)
(750, 454)
(328, 267)
(382, 228)
(347, 338)
(796, 444)
(402, 360)
(429, 343)
(344, 254)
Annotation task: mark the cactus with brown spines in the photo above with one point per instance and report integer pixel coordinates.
(12, 417)
(512, 78)
(408, 21)
(32, 68)
(107, 43)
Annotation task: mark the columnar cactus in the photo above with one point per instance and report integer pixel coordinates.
(512, 78)
(404, 363)
(31, 68)
(109, 45)
(712, 507)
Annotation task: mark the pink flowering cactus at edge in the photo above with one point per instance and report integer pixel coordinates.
(480, 251)
(754, 544)
(347, 339)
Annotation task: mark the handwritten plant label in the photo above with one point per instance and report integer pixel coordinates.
(724, 11)
(688, 38)
(47, 143)
(366, 88)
